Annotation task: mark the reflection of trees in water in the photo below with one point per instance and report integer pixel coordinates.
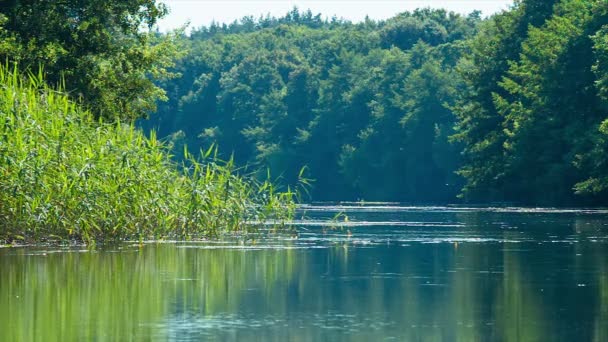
(519, 314)
(576, 275)
(598, 261)
(592, 258)
(591, 225)
(467, 291)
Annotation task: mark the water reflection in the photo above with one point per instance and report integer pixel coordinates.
(435, 276)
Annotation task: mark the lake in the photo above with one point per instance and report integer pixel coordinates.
(378, 273)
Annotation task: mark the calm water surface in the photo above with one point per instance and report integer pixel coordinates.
(386, 273)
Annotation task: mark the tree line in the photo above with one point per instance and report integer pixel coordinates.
(426, 106)
(423, 107)
(364, 107)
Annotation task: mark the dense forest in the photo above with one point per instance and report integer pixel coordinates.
(362, 106)
(426, 107)
(423, 107)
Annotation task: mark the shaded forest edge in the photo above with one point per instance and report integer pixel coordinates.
(426, 107)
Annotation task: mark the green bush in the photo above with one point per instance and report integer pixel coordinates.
(65, 176)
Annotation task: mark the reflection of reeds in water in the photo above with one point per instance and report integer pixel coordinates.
(65, 177)
(130, 294)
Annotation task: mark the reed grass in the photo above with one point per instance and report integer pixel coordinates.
(66, 177)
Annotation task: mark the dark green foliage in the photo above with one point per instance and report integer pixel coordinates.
(363, 106)
(530, 119)
(433, 27)
(495, 47)
(516, 105)
(99, 50)
(595, 161)
(403, 153)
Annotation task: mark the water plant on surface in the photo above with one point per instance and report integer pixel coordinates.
(65, 176)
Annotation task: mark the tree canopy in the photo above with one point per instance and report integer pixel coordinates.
(423, 107)
(103, 52)
(363, 106)
(530, 120)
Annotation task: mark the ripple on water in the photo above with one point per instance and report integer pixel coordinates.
(335, 223)
(445, 209)
(251, 247)
(191, 324)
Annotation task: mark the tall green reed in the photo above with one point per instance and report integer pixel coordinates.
(65, 176)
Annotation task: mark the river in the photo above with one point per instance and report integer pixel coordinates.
(347, 272)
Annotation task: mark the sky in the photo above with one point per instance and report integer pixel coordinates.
(203, 12)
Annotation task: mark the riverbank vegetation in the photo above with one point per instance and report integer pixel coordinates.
(421, 107)
(73, 166)
(66, 176)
